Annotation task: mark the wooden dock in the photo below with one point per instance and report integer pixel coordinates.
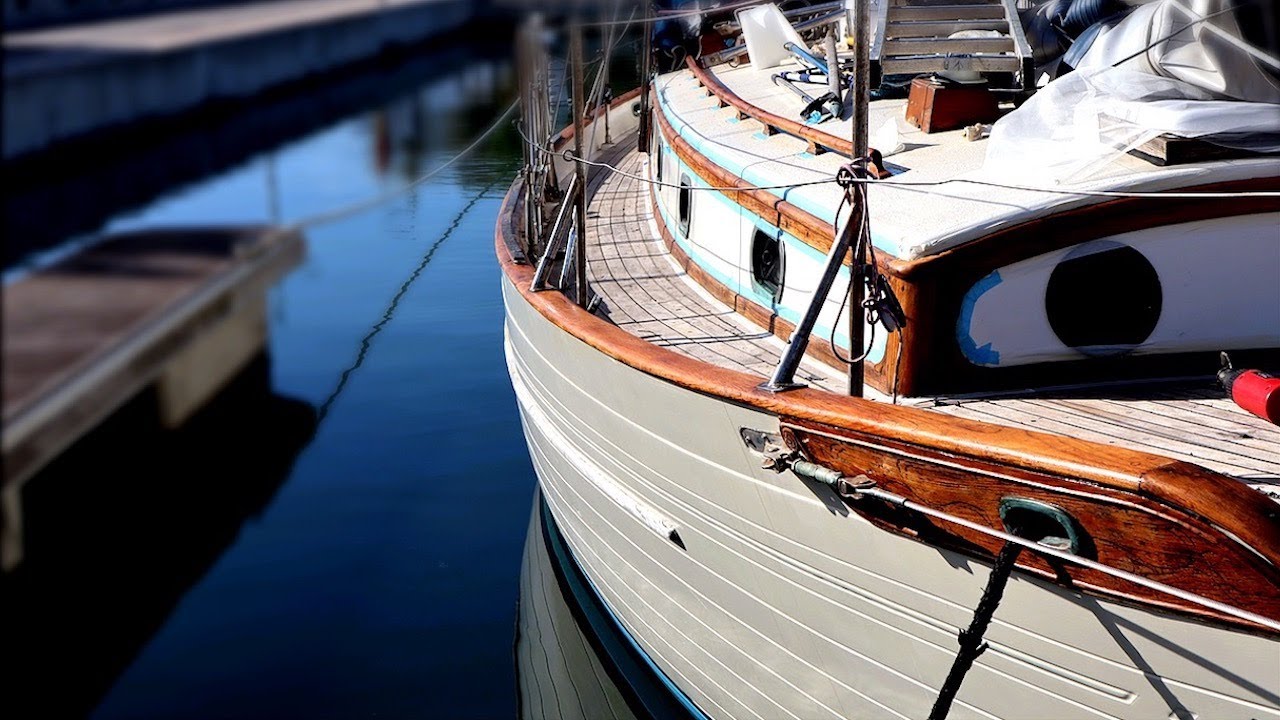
(180, 309)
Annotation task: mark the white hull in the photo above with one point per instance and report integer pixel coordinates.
(777, 602)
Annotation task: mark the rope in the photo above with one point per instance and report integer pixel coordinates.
(371, 202)
(971, 643)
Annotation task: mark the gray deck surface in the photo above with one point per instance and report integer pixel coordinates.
(647, 294)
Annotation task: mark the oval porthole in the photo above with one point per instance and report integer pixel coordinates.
(661, 154)
(1103, 299)
(767, 263)
(686, 204)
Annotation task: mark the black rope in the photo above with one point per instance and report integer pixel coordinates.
(971, 643)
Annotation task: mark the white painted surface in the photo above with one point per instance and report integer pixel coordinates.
(1220, 283)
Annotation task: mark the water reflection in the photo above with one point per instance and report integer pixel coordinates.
(124, 523)
(78, 188)
(572, 661)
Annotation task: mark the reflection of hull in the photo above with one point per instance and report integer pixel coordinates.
(770, 599)
(573, 660)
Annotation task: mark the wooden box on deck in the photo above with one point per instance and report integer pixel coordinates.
(934, 107)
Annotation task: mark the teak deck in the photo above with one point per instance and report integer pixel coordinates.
(646, 292)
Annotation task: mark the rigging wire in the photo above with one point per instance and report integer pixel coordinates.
(1154, 194)
(371, 202)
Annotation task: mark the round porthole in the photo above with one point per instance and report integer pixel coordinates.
(1103, 298)
(686, 204)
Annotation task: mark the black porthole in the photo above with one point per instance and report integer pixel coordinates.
(660, 153)
(686, 204)
(1103, 299)
(766, 263)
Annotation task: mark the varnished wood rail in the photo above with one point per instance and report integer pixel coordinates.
(818, 140)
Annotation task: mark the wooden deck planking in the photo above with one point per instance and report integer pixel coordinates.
(1224, 439)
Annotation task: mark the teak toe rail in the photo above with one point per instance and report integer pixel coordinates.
(818, 140)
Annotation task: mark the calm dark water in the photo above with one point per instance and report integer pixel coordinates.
(340, 535)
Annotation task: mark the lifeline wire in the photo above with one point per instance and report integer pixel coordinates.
(936, 183)
(362, 205)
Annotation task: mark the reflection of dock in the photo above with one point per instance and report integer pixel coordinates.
(180, 310)
(123, 524)
(67, 81)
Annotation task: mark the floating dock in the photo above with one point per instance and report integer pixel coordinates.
(183, 310)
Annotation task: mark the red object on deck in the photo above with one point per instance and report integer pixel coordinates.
(1255, 391)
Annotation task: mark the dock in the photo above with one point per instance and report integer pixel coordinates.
(180, 310)
(68, 81)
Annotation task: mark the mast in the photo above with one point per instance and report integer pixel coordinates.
(580, 168)
(861, 101)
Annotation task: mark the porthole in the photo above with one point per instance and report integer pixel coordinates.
(767, 263)
(686, 204)
(660, 154)
(1103, 299)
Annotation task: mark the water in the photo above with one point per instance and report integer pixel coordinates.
(341, 534)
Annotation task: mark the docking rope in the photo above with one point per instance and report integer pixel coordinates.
(971, 642)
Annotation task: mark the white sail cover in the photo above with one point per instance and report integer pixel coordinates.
(1204, 82)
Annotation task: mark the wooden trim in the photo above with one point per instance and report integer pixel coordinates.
(1238, 516)
(1174, 543)
(818, 140)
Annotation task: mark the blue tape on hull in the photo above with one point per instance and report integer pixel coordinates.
(978, 355)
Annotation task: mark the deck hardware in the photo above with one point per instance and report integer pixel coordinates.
(552, 239)
(816, 110)
(580, 169)
(860, 100)
(807, 76)
(1046, 524)
(777, 457)
(805, 57)
(833, 69)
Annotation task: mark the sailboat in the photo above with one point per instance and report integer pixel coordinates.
(911, 359)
